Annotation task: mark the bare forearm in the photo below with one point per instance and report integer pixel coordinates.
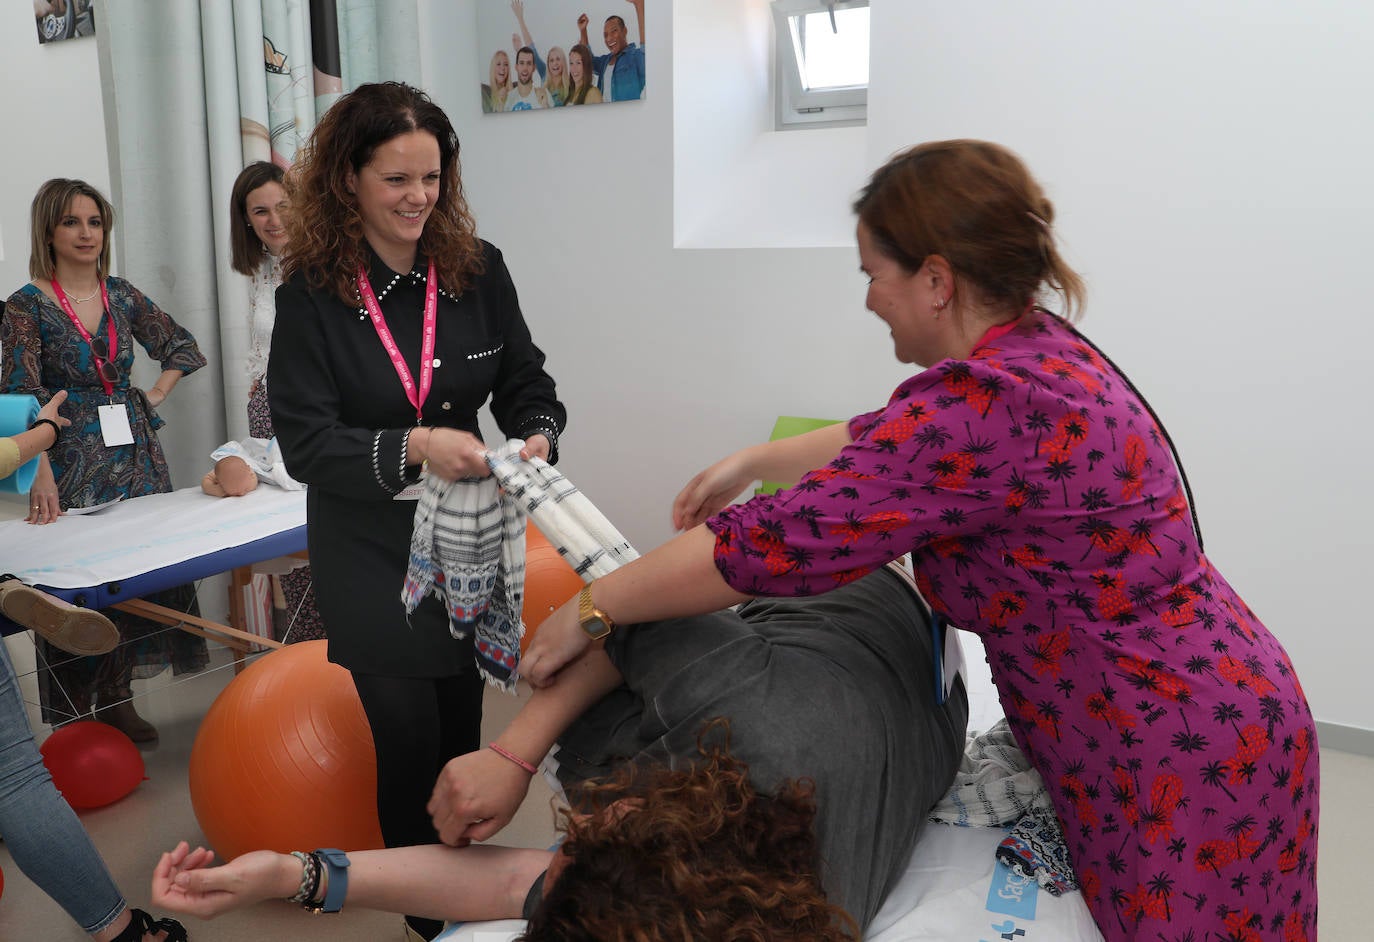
(551, 710)
(453, 883)
(787, 459)
(678, 579)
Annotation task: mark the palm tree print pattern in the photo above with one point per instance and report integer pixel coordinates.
(1044, 512)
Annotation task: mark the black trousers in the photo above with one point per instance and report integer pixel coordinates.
(418, 724)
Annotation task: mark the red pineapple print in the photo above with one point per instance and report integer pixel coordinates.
(1112, 602)
(1001, 608)
(1132, 481)
(1251, 744)
(1030, 557)
(1180, 602)
(1090, 357)
(1242, 619)
(1048, 651)
(904, 426)
(1165, 794)
(1070, 432)
(1237, 673)
(965, 385)
(1241, 927)
(1102, 708)
(1142, 904)
(1090, 884)
(952, 470)
(1045, 722)
(1288, 858)
(1072, 785)
(1066, 370)
(1154, 677)
(1176, 507)
(767, 537)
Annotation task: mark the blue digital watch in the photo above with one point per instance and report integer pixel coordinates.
(336, 863)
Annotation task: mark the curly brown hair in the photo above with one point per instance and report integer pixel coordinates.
(325, 229)
(699, 854)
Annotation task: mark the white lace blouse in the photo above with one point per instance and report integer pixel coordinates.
(262, 312)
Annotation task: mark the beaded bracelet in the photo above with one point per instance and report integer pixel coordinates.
(513, 757)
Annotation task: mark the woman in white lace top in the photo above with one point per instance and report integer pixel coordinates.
(257, 211)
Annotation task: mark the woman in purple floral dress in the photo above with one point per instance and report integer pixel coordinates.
(1046, 512)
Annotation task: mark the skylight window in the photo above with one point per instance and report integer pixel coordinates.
(822, 62)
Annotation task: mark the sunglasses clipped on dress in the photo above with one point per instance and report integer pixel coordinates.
(100, 348)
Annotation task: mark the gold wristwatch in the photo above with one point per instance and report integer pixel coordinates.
(596, 623)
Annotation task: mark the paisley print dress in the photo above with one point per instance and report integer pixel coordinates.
(42, 353)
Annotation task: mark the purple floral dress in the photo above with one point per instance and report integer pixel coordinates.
(1044, 512)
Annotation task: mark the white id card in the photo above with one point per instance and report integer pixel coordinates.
(114, 425)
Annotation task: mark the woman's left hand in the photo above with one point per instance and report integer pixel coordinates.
(44, 505)
(559, 640)
(184, 881)
(536, 446)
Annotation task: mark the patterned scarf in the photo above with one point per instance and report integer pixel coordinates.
(468, 549)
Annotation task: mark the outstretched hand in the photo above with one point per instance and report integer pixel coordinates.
(475, 796)
(710, 491)
(184, 882)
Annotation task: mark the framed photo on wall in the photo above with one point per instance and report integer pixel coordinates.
(543, 54)
(57, 20)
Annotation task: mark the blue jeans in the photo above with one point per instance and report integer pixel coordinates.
(42, 832)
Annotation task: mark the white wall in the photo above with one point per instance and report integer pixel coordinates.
(1209, 171)
(54, 127)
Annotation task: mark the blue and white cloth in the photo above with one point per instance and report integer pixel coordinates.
(468, 549)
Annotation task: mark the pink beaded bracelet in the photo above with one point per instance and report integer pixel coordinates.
(513, 757)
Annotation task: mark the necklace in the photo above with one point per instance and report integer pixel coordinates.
(76, 300)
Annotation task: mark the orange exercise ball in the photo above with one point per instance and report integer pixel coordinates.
(284, 759)
(92, 763)
(549, 582)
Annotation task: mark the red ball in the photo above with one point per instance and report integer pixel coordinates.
(92, 763)
(284, 759)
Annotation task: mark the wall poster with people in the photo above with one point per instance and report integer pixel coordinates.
(63, 19)
(541, 54)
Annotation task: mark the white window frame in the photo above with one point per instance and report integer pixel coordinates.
(797, 106)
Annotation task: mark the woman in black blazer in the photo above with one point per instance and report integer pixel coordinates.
(378, 216)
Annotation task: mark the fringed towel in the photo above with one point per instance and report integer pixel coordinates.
(468, 548)
(995, 787)
(580, 532)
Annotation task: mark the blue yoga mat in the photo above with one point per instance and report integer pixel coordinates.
(17, 413)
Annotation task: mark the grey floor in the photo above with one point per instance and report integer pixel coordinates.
(132, 832)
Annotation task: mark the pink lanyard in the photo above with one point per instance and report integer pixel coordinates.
(374, 311)
(85, 334)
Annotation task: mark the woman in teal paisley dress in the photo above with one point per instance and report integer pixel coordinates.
(50, 345)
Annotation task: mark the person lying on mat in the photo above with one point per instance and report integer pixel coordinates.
(793, 819)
